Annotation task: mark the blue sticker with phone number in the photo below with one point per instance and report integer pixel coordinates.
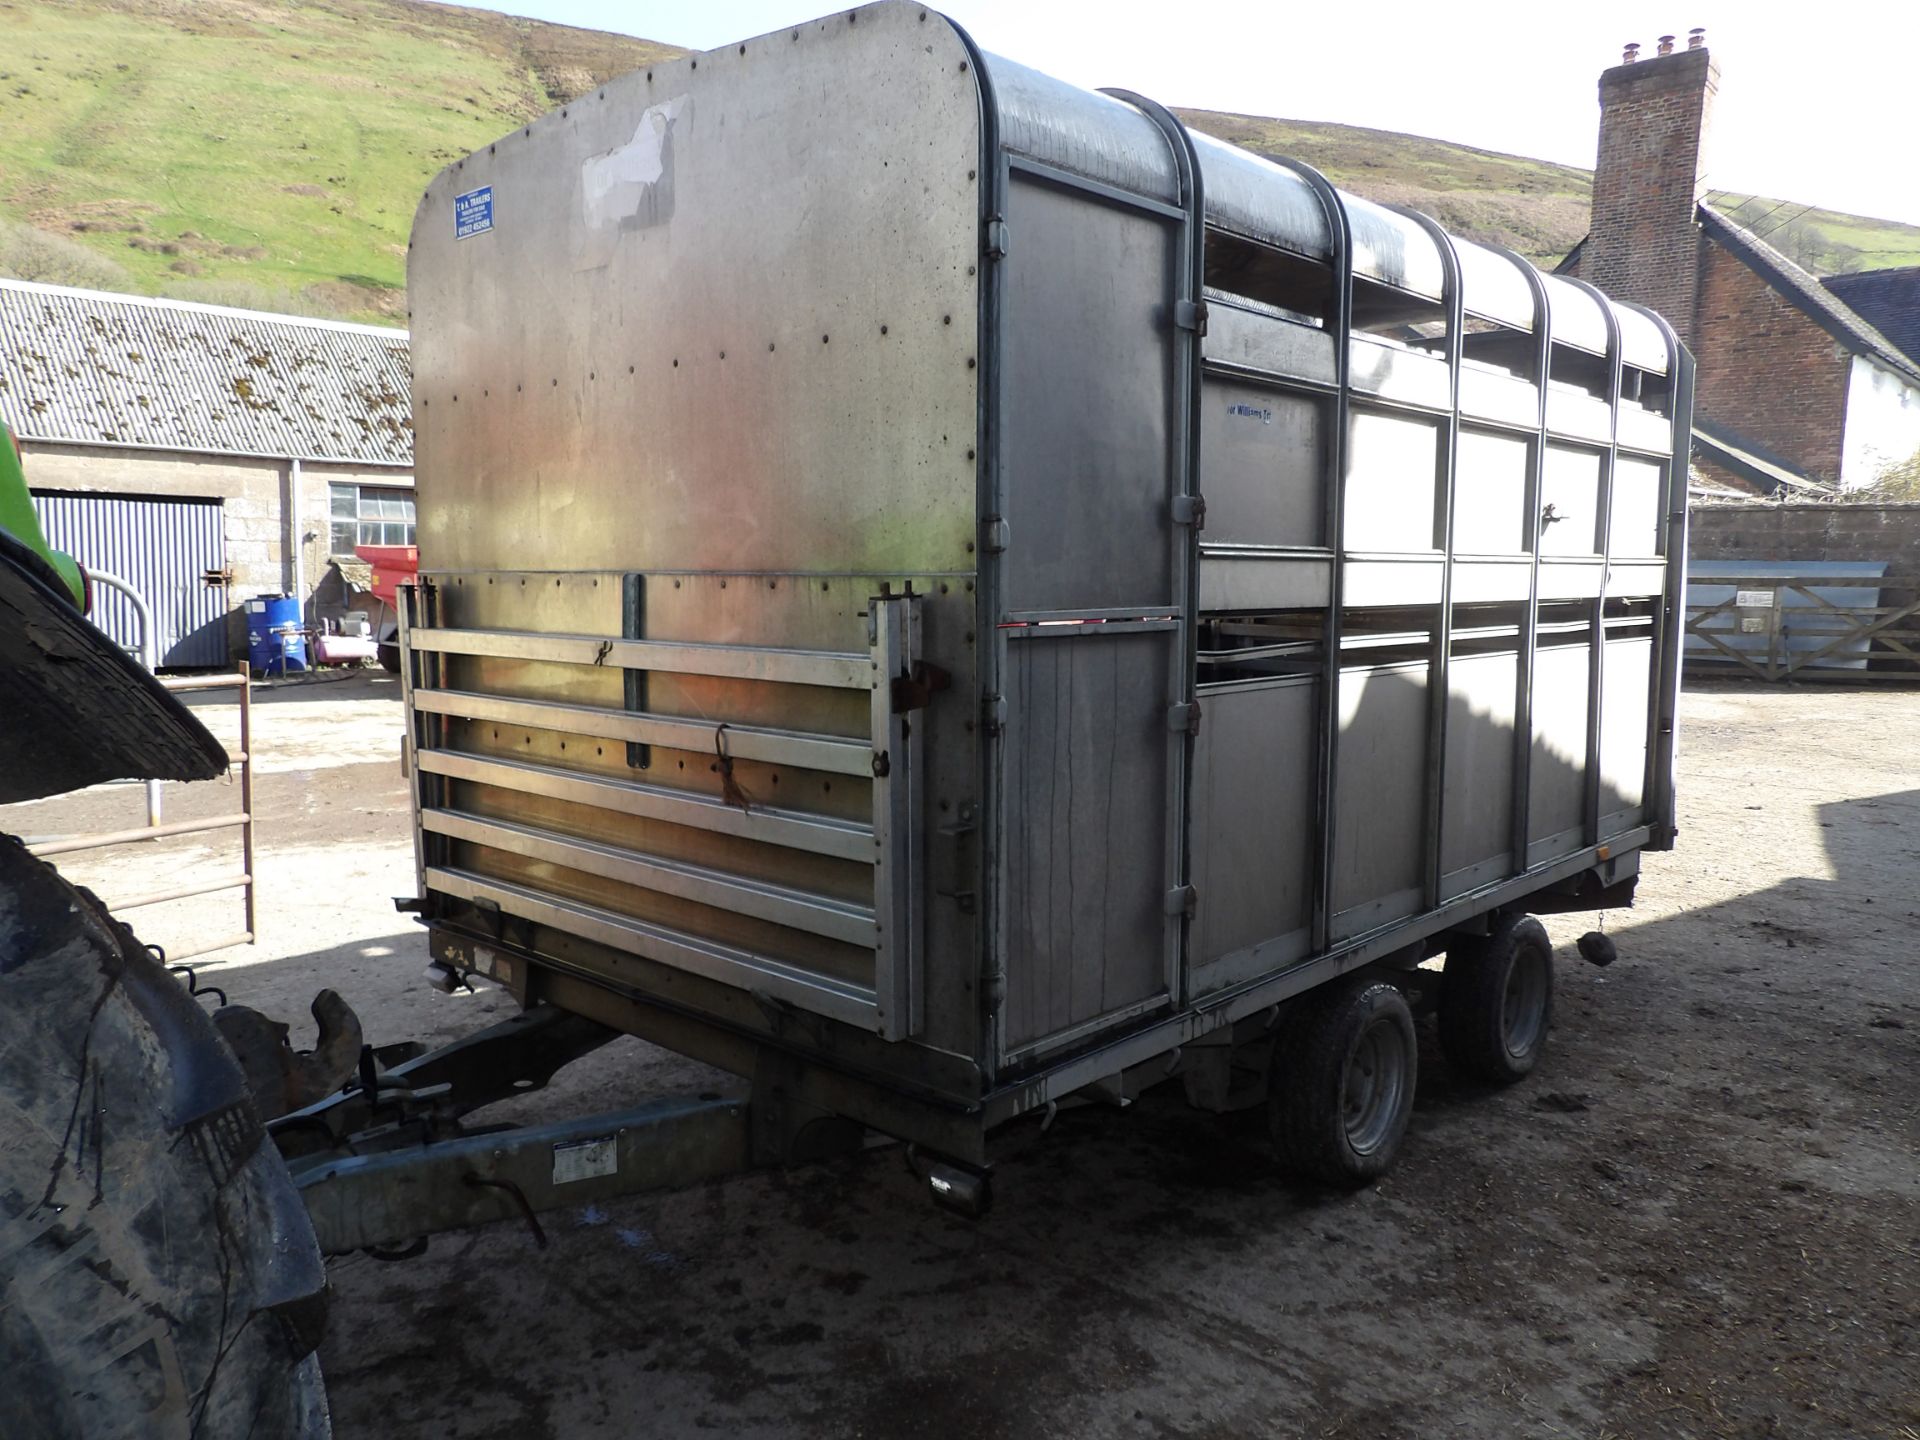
(473, 213)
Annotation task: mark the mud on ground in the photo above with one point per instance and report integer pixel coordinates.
(1700, 1217)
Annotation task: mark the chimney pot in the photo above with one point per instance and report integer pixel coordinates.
(1696, 38)
(1631, 53)
(1666, 44)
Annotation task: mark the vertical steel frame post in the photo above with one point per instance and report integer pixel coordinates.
(1530, 621)
(990, 501)
(1603, 544)
(633, 625)
(249, 896)
(407, 599)
(1327, 759)
(1439, 685)
(1188, 318)
(893, 634)
(1670, 624)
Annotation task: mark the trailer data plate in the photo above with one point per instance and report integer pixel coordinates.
(586, 1159)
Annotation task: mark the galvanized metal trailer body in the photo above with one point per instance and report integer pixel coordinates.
(939, 586)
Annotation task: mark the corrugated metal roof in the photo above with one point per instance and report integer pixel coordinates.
(87, 367)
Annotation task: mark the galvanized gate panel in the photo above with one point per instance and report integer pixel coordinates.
(1086, 804)
(1252, 857)
(1093, 614)
(757, 823)
(163, 547)
(1086, 465)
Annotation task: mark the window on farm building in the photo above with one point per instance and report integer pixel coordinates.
(370, 515)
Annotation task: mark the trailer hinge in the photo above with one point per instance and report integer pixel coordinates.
(1184, 717)
(994, 534)
(1182, 899)
(1190, 510)
(993, 713)
(997, 239)
(1191, 315)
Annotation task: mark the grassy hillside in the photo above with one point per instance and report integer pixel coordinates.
(269, 153)
(1538, 208)
(257, 153)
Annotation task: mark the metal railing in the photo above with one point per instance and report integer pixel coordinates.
(147, 652)
(1780, 629)
(242, 820)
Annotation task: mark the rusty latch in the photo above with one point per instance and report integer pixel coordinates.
(914, 690)
(216, 579)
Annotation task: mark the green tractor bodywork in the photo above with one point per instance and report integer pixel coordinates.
(199, 1325)
(18, 520)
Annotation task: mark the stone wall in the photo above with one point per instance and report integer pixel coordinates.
(1808, 532)
(1861, 533)
(254, 499)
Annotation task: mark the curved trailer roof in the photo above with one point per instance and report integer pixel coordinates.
(1105, 139)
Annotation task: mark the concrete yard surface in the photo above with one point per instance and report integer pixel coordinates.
(1699, 1217)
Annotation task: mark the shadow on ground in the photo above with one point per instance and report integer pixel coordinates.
(1696, 1218)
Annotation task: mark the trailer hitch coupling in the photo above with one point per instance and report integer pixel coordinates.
(281, 1078)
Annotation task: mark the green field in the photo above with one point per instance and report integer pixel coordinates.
(1538, 208)
(257, 154)
(269, 154)
(1534, 207)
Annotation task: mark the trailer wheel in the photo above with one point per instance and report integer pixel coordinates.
(158, 1273)
(1496, 1000)
(1341, 1089)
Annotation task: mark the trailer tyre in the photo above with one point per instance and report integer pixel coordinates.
(1496, 1000)
(1341, 1089)
(158, 1273)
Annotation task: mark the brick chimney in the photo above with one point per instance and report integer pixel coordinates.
(1644, 241)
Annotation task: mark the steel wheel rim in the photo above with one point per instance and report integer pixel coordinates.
(1523, 1005)
(1376, 1084)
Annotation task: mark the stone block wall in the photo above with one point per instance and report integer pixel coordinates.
(253, 496)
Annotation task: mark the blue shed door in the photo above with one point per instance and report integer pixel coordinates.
(163, 547)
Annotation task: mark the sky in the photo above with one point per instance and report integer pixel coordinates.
(1810, 109)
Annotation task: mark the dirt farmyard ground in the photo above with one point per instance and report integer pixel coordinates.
(1701, 1217)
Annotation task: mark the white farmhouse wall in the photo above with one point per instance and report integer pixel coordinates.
(1883, 423)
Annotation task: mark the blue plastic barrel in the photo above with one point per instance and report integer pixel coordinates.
(275, 645)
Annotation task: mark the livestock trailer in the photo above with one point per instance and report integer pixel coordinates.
(943, 592)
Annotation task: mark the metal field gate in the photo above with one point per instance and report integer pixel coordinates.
(165, 548)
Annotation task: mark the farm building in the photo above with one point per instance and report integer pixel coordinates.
(1800, 389)
(205, 455)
